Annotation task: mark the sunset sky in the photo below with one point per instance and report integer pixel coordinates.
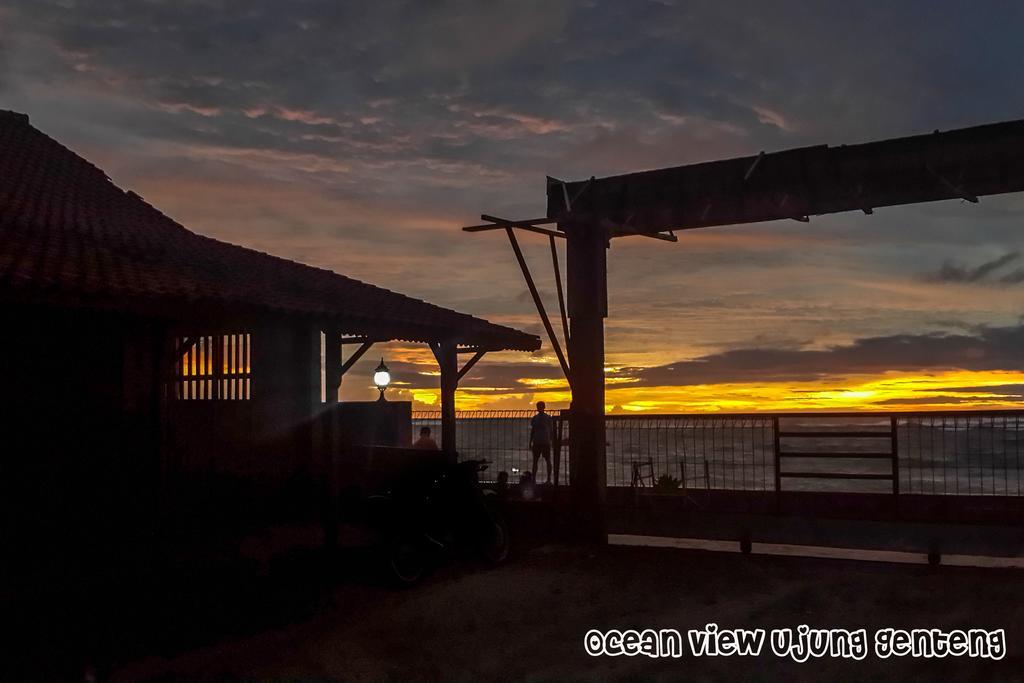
(360, 136)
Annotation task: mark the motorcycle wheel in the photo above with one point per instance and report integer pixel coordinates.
(494, 538)
(406, 562)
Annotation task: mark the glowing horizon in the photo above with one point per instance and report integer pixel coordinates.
(893, 391)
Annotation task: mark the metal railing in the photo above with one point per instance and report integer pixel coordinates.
(500, 436)
(838, 452)
(935, 453)
(956, 453)
(697, 451)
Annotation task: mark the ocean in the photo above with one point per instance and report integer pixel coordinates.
(949, 453)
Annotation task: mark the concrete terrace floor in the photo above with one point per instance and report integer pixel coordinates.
(526, 620)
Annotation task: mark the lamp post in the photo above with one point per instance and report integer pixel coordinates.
(381, 378)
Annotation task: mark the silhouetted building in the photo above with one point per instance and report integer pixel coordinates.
(151, 373)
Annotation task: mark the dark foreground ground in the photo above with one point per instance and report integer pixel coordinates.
(527, 619)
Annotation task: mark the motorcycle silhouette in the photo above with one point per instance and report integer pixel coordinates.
(432, 512)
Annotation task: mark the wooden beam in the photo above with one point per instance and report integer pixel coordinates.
(539, 231)
(558, 288)
(809, 181)
(653, 235)
(529, 222)
(474, 349)
(347, 365)
(470, 363)
(956, 190)
(186, 345)
(529, 226)
(539, 303)
(363, 340)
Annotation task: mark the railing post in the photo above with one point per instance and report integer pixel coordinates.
(557, 448)
(895, 456)
(778, 472)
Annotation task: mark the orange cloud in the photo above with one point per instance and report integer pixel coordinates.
(959, 390)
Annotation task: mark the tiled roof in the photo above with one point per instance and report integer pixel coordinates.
(69, 235)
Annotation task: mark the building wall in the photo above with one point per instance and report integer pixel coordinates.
(97, 453)
(103, 455)
(231, 464)
(79, 414)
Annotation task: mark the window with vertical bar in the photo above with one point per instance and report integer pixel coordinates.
(215, 367)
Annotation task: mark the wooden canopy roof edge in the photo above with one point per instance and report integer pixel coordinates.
(69, 235)
(218, 315)
(797, 183)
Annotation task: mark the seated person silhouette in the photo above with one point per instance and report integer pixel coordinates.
(501, 486)
(426, 442)
(527, 490)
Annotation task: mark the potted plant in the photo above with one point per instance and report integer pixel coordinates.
(666, 483)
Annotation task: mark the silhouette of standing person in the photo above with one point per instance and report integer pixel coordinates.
(541, 430)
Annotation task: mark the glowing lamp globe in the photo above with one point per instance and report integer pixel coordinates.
(381, 378)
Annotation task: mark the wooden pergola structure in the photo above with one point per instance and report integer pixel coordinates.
(794, 184)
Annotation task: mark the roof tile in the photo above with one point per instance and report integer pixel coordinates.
(66, 229)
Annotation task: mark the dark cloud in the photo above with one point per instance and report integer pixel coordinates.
(359, 136)
(1013, 390)
(986, 273)
(995, 348)
(592, 87)
(1013, 278)
(955, 325)
(926, 400)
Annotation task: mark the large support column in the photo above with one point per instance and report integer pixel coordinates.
(588, 307)
(448, 360)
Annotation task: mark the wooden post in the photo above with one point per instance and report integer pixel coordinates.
(332, 365)
(326, 435)
(448, 361)
(587, 275)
